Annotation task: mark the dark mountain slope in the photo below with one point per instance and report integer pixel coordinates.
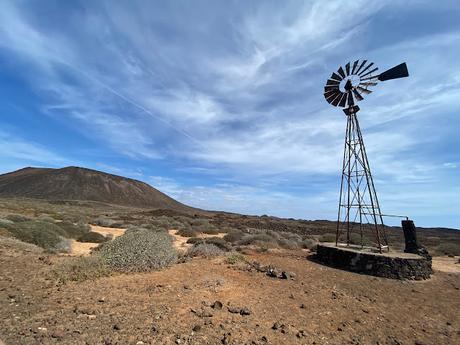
(74, 183)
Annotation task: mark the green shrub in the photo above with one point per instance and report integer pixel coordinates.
(327, 237)
(17, 218)
(187, 232)
(217, 241)
(42, 234)
(139, 251)
(104, 221)
(46, 218)
(205, 249)
(193, 240)
(309, 243)
(74, 230)
(234, 236)
(80, 269)
(203, 225)
(356, 239)
(258, 239)
(448, 248)
(93, 237)
(288, 244)
(235, 258)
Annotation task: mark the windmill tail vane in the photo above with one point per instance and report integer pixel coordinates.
(359, 207)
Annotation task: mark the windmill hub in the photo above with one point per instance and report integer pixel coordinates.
(359, 209)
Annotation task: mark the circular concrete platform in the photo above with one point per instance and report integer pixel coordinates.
(395, 265)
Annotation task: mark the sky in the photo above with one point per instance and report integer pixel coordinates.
(220, 104)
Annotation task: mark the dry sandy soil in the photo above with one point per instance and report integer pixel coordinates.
(321, 305)
(84, 248)
(180, 242)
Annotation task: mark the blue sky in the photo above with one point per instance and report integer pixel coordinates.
(220, 105)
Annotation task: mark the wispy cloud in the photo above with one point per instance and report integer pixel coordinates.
(234, 92)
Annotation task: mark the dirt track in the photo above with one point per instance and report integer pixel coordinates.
(321, 306)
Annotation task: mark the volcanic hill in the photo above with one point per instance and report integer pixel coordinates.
(75, 183)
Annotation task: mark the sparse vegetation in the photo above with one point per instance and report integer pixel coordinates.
(327, 237)
(205, 249)
(93, 237)
(139, 251)
(104, 221)
(234, 236)
(80, 269)
(448, 249)
(187, 232)
(42, 234)
(235, 258)
(17, 218)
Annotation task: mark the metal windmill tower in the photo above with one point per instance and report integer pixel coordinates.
(358, 202)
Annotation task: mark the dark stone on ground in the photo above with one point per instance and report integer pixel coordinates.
(217, 305)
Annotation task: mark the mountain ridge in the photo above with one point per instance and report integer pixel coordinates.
(79, 183)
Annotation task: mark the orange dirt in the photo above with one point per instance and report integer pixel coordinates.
(84, 248)
(180, 242)
(321, 305)
(446, 264)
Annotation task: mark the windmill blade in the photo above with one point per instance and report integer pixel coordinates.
(357, 95)
(343, 101)
(365, 69)
(336, 100)
(354, 66)
(370, 72)
(347, 68)
(361, 66)
(399, 71)
(335, 76)
(369, 83)
(331, 88)
(328, 94)
(341, 72)
(331, 95)
(332, 82)
(351, 101)
(363, 90)
(375, 77)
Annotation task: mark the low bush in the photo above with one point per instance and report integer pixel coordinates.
(194, 240)
(309, 243)
(93, 237)
(139, 251)
(17, 218)
(327, 237)
(74, 230)
(258, 239)
(288, 244)
(203, 225)
(235, 258)
(42, 234)
(80, 269)
(187, 232)
(205, 249)
(356, 239)
(46, 218)
(234, 236)
(104, 221)
(217, 241)
(448, 248)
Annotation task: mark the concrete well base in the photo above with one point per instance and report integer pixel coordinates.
(393, 265)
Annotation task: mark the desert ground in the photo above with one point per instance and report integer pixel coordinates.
(226, 298)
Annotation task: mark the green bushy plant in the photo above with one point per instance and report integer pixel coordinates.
(139, 251)
(205, 249)
(80, 269)
(92, 237)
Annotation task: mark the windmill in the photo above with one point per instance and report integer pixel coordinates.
(358, 202)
